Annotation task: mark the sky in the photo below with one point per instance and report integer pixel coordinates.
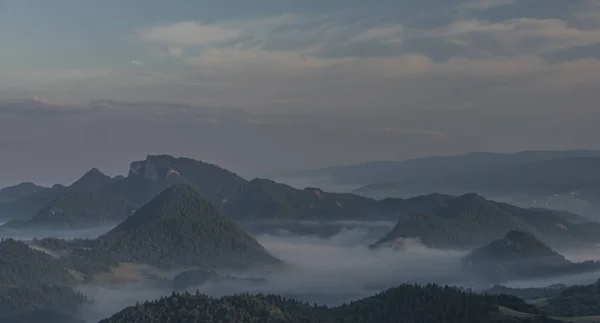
(269, 86)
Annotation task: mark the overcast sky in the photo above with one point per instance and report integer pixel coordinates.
(266, 86)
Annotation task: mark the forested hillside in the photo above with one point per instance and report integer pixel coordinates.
(31, 279)
(406, 303)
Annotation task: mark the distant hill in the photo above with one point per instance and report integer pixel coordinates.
(17, 191)
(178, 228)
(583, 300)
(79, 209)
(406, 303)
(565, 180)
(519, 254)
(439, 166)
(26, 206)
(471, 221)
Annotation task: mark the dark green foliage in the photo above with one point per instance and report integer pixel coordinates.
(581, 300)
(58, 298)
(31, 279)
(83, 209)
(22, 265)
(519, 255)
(179, 228)
(406, 303)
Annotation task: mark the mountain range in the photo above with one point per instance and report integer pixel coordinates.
(471, 221)
(565, 180)
(438, 220)
(28, 200)
(177, 213)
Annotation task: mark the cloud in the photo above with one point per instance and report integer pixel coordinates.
(516, 36)
(390, 34)
(137, 62)
(487, 4)
(188, 33)
(175, 51)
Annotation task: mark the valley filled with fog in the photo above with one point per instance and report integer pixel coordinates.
(104, 246)
(329, 269)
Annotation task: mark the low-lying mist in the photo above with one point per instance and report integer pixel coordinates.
(329, 269)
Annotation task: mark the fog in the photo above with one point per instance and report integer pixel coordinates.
(326, 269)
(323, 270)
(581, 254)
(346, 232)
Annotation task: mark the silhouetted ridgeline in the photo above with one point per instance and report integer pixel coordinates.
(406, 303)
(439, 221)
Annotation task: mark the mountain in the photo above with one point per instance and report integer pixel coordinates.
(239, 198)
(17, 191)
(564, 180)
(147, 178)
(520, 254)
(92, 180)
(180, 228)
(406, 303)
(27, 206)
(266, 199)
(440, 166)
(79, 209)
(471, 221)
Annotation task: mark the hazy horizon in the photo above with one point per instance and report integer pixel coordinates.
(273, 86)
